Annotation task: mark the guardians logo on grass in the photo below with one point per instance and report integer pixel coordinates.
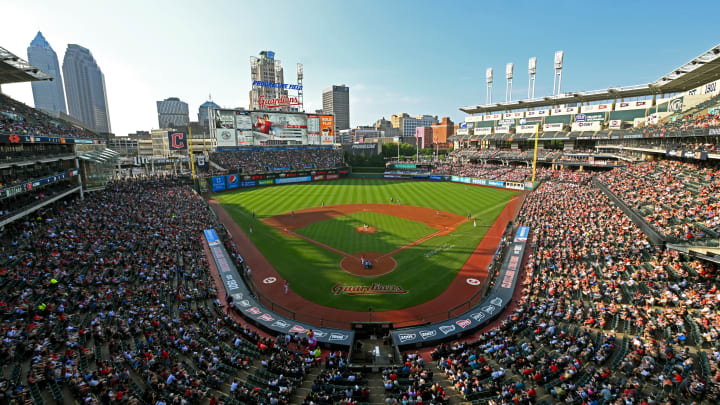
(374, 289)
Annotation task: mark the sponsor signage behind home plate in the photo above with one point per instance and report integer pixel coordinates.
(254, 311)
(483, 313)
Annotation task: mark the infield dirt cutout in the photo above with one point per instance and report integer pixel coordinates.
(382, 263)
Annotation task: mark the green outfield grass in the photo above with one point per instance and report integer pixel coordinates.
(392, 232)
(425, 270)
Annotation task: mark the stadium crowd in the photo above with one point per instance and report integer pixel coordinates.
(17, 118)
(111, 300)
(680, 199)
(259, 161)
(605, 316)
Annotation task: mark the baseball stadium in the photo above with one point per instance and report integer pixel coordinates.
(553, 249)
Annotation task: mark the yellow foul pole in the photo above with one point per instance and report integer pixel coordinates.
(537, 133)
(192, 161)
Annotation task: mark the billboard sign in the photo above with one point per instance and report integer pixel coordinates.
(177, 140)
(283, 101)
(279, 126)
(313, 129)
(284, 86)
(243, 128)
(225, 128)
(327, 129)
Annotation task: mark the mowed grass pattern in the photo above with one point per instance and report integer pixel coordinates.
(392, 232)
(425, 270)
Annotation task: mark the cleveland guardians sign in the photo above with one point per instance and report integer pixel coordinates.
(374, 289)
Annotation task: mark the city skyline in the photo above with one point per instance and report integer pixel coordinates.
(377, 54)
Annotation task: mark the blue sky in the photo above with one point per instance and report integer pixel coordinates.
(419, 57)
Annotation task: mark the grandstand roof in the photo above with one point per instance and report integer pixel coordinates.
(700, 70)
(13, 69)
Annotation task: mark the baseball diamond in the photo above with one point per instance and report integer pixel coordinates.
(307, 234)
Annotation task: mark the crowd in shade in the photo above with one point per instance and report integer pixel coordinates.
(281, 159)
(110, 300)
(17, 118)
(505, 154)
(492, 171)
(412, 383)
(487, 171)
(605, 317)
(336, 383)
(680, 199)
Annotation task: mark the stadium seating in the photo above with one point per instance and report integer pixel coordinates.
(260, 161)
(18, 119)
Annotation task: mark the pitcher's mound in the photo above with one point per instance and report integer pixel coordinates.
(380, 264)
(362, 229)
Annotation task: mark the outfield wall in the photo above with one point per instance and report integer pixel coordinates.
(234, 181)
(512, 185)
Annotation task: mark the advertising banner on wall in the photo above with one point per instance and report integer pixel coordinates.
(278, 127)
(225, 128)
(492, 117)
(586, 126)
(526, 129)
(590, 117)
(553, 127)
(255, 311)
(482, 131)
(565, 111)
(596, 108)
(615, 124)
(233, 181)
(327, 129)
(218, 183)
(313, 130)
(502, 130)
(632, 105)
(537, 113)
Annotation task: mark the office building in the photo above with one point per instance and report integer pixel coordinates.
(85, 88)
(172, 113)
(204, 111)
(336, 101)
(269, 70)
(386, 127)
(407, 124)
(48, 95)
(442, 130)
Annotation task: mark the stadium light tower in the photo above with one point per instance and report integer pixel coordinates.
(532, 68)
(489, 80)
(508, 85)
(558, 71)
(299, 82)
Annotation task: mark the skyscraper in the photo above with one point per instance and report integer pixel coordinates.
(336, 101)
(269, 70)
(85, 88)
(172, 113)
(48, 95)
(204, 111)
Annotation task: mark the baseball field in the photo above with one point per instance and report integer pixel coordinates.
(356, 244)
